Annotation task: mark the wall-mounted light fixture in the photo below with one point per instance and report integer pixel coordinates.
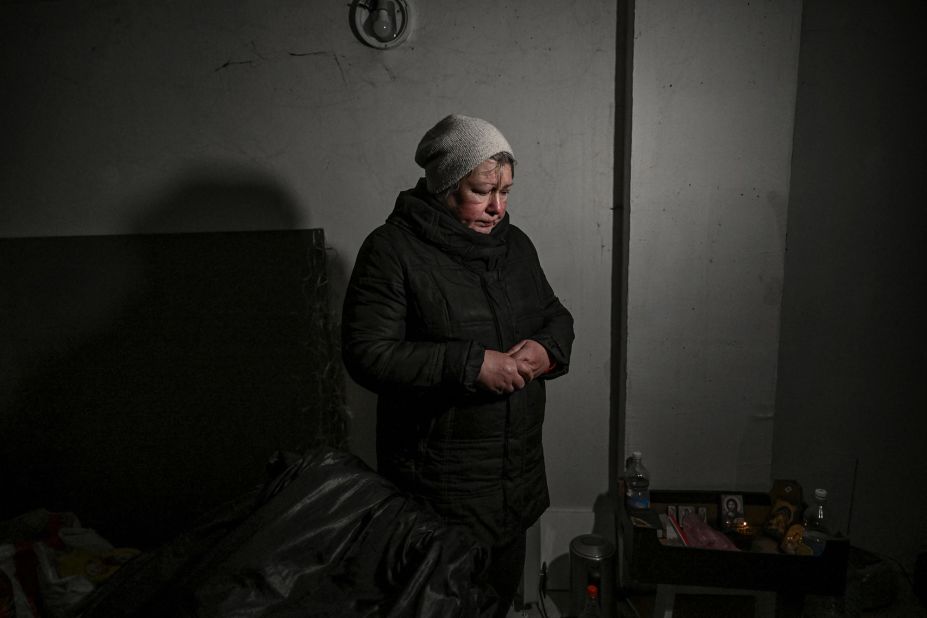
(381, 23)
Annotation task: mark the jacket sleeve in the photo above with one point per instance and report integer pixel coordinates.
(556, 335)
(376, 352)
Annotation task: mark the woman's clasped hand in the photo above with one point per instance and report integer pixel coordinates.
(507, 372)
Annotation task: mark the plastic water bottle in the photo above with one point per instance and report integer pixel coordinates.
(637, 483)
(817, 530)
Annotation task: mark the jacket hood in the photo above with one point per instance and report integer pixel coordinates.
(422, 214)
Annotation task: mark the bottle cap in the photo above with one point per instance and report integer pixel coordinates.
(820, 494)
(592, 591)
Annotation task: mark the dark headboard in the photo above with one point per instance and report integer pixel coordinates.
(146, 379)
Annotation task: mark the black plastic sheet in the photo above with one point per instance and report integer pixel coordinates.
(326, 536)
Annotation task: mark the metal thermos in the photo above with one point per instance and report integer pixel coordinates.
(592, 561)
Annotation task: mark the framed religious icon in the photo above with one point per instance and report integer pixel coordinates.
(732, 510)
(685, 509)
(703, 514)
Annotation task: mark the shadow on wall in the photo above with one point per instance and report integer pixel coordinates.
(153, 374)
(209, 201)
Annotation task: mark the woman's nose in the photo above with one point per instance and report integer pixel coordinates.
(495, 202)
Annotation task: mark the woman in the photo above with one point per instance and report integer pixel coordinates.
(449, 318)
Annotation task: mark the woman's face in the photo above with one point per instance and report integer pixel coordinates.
(480, 201)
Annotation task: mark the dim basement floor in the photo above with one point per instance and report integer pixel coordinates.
(556, 604)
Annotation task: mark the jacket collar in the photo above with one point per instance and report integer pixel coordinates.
(424, 215)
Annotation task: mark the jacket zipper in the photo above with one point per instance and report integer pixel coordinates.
(492, 307)
(508, 409)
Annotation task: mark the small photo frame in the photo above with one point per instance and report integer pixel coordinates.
(685, 509)
(703, 514)
(732, 510)
(671, 511)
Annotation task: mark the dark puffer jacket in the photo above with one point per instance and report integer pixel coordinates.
(427, 297)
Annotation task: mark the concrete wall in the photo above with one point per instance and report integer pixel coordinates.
(713, 94)
(150, 117)
(851, 395)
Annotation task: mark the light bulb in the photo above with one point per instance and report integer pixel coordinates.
(381, 24)
(383, 27)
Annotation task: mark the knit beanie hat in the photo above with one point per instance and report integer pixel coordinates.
(454, 147)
